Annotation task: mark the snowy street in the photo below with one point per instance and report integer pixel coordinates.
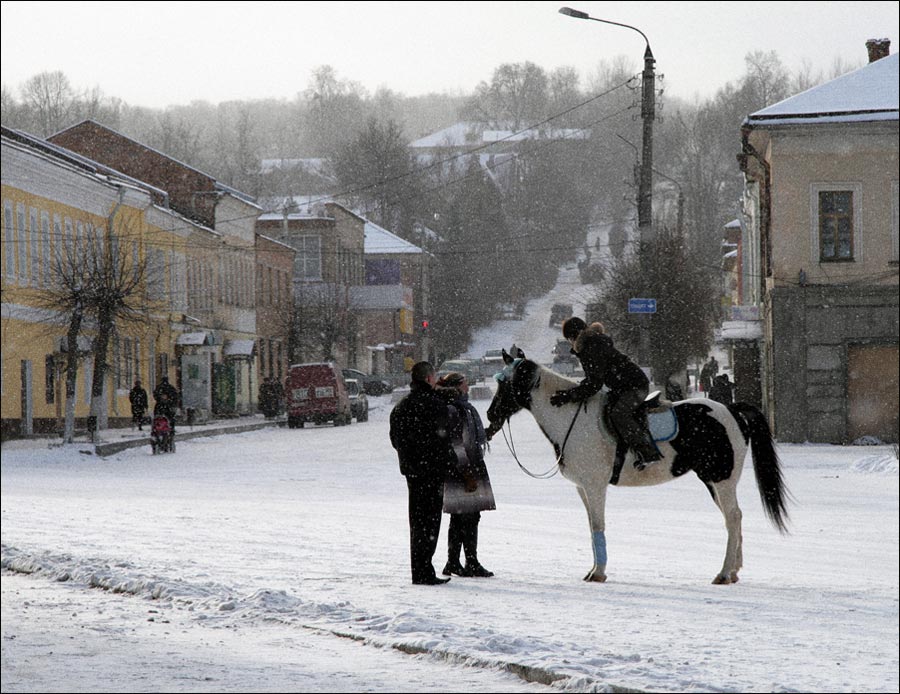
(230, 565)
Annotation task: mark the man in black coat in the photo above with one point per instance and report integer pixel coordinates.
(166, 397)
(137, 396)
(420, 425)
(604, 365)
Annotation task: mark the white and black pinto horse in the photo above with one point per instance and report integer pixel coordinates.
(712, 440)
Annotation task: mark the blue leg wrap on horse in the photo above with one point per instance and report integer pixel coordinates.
(599, 548)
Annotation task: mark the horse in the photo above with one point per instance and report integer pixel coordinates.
(711, 439)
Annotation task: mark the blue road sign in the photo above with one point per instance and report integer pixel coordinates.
(642, 306)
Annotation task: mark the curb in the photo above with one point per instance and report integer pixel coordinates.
(105, 449)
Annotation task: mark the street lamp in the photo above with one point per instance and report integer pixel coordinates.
(645, 186)
(648, 114)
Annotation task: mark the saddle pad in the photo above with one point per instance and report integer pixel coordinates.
(663, 425)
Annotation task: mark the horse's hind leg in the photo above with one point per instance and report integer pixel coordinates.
(725, 496)
(595, 505)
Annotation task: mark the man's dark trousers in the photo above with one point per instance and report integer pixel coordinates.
(426, 501)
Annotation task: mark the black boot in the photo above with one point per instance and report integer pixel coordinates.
(476, 570)
(454, 546)
(470, 542)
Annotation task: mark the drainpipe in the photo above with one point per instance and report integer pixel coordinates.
(748, 150)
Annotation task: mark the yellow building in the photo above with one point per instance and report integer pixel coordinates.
(57, 207)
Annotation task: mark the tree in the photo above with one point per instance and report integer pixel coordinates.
(377, 172)
(333, 108)
(116, 279)
(517, 96)
(50, 98)
(322, 322)
(92, 282)
(687, 301)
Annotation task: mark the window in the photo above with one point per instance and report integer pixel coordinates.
(49, 379)
(836, 225)
(895, 212)
(23, 245)
(837, 222)
(35, 244)
(9, 240)
(45, 247)
(309, 257)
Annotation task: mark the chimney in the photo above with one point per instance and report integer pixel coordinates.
(878, 49)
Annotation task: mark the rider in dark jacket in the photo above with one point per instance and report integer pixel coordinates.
(628, 386)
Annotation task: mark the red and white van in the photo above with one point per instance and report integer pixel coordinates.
(316, 393)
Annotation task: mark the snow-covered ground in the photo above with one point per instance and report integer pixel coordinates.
(230, 565)
(277, 560)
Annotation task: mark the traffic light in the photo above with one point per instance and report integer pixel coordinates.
(424, 326)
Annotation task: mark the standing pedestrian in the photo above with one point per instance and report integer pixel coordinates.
(137, 396)
(722, 390)
(419, 431)
(467, 490)
(166, 397)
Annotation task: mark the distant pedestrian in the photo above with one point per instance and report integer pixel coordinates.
(722, 390)
(166, 397)
(707, 374)
(137, 396)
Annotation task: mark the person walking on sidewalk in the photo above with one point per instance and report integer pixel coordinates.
(137, 396)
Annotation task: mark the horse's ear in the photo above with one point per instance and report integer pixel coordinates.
(519, 353)
(506, 358)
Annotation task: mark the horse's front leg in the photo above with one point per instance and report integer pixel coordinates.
(595, 504)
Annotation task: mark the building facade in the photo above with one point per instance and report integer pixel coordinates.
(822, 200)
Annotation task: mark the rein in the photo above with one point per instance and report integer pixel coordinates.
(558, 464)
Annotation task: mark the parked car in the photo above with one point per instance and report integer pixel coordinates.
(359, 403)
(371, 384)
(492, 362)
(559, 313)
(467, 367)
(316, 393)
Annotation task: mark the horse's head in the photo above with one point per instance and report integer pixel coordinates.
(514, 385)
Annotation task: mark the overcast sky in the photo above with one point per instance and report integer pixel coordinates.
(163, 53)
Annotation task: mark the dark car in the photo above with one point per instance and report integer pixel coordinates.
(371, 384)
(559, 313)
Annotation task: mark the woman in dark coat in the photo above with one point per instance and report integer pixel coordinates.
(467, 490)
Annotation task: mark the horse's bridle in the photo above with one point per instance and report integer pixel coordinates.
(507, 375)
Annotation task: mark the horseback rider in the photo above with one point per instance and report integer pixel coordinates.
(628, 386)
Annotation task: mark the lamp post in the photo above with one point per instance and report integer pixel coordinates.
(645, 184)
(648, 114)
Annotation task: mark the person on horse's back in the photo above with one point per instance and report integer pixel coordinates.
(628, 386)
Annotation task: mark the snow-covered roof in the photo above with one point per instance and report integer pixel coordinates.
(199, 338)
(868, 94)
(238, 348)
(382, 241)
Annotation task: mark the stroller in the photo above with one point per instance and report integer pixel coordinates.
(162, 435)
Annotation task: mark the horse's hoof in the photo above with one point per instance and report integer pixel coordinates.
(721, 580)
(595, 577)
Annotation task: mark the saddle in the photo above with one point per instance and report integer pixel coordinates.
(661, 420)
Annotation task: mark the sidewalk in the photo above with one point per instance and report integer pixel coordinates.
(111, 441)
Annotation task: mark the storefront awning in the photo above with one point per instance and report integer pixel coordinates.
(238, 348)
(199, 338)
(741, 330)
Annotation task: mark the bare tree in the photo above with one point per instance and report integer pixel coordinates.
(321, 322)
(50, 98)
(93, 281)
(116, 296)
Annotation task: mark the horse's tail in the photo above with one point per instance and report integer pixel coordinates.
(769, 481)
